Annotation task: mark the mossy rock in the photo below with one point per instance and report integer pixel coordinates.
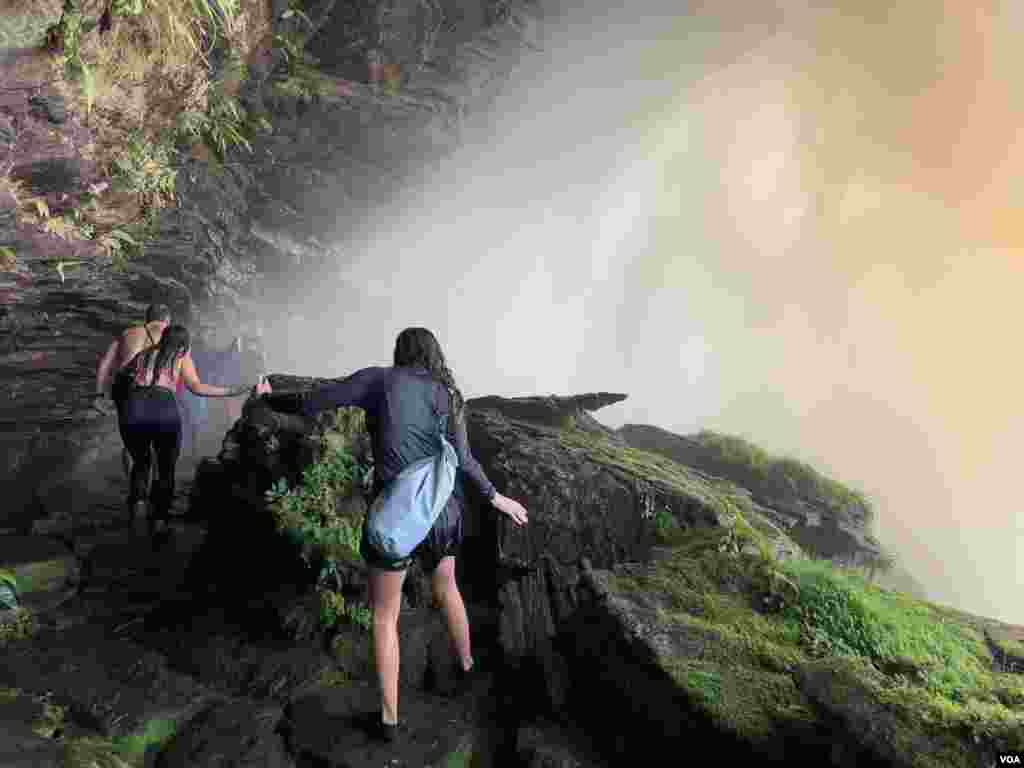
(44, 571)
(921, 694)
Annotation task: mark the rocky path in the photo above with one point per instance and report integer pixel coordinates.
(132, 658)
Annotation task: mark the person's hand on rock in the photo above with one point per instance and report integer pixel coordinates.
(510, 507)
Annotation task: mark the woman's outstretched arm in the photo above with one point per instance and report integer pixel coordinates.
(469, 464)
(197, 387)
(351, 391)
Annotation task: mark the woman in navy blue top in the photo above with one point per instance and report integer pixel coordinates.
(404, 404)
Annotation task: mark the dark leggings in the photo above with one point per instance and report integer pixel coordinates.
(150, 420)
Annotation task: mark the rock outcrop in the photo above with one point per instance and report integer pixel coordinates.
(820, 522)
(589, 498)
(664, 648)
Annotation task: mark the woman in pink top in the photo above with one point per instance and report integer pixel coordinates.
(150, 418)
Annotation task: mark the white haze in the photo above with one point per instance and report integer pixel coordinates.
(586, 239)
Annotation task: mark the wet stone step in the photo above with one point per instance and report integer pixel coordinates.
(331, 725)
(116, 684)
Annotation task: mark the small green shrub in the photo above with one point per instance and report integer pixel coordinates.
(308, 512)
(223, 125)
(335, 610)
(145, 169)
(303, 79)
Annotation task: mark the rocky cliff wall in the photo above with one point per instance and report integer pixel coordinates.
(242, 231)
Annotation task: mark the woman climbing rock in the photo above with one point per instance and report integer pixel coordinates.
(150, 418)
(407, 405)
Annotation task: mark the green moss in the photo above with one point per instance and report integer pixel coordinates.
(721, 496)
(847, 615)
(937, 674)
(24, 626)
(743, 700)
(155, 734)
(781, 472)
(462, 757)
(94, 753)
(42, 575)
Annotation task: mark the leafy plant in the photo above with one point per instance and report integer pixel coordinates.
(118, 245)
(302, 77)
(308, 513)
(145, 168)
(221, 126)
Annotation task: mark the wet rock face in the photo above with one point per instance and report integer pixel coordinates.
(816, 523)
(580, 508)
(262, 223)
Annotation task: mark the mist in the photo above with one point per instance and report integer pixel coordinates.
(796, 222)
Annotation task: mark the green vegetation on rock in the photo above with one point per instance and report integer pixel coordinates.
(782, 472)
(720, 495)
(155, 734)
(931, 672)
(314, 516)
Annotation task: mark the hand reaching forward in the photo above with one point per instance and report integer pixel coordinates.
(510, 507)
(263, 387)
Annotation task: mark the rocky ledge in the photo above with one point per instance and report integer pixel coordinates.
(818, 513)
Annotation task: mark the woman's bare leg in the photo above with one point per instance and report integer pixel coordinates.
(448, 597)
(386, 602)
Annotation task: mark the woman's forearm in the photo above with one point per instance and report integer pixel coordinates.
(210, 390)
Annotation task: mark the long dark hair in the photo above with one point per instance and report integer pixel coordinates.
(174, 342)
(419, 347)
